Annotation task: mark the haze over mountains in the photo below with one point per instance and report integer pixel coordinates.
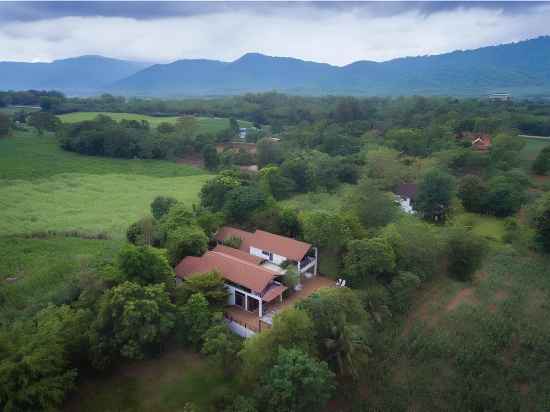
(521, 68)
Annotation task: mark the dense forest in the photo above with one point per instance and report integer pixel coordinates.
(354, 348)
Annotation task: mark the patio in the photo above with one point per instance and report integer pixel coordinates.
(252, 321)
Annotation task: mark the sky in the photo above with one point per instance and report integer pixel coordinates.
(337, 33)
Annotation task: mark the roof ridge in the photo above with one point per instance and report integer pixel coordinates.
(242, 261)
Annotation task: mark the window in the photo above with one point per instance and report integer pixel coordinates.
(268, 254)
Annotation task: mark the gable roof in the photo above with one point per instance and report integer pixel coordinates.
(231, 268)
(407, 190)
(281, 245)
(239, 254)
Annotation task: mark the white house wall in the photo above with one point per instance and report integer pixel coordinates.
(277, 259)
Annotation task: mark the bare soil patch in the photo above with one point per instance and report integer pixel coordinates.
(463, 296)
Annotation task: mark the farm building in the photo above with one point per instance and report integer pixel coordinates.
(406, 195)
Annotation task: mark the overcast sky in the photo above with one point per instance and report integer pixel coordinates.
(335, 33)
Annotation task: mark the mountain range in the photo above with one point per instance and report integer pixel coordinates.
(521, 68)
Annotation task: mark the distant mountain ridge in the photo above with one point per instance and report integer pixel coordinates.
(79, 75)
(522, 68)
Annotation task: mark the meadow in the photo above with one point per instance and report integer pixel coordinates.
(206, 124)
(531, 149)
(43, 187)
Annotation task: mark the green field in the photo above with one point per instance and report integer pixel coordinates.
(488, 227)
(206, 124)
(45, 188)
(531, 149)
(46, 270)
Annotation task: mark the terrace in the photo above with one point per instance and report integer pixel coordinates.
(251, 319)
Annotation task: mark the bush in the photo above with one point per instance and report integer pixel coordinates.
(186, 241)
(465, 252)
(233, 241)
(161, 205)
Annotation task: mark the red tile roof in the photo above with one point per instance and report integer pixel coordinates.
(233, 269)
(283, 246)
(239, 254)
(274, 292)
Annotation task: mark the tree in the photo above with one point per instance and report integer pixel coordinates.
(234, 126)
(210, 285)
(214, 191)
(145, 232)
(241, 202)
(43, 121)
(413, 142)
(5, 125)
(465, 252)
(289, 222)
(504, 151)
(297, 383)
(341, 327)
(177, 217)
(292, 328)
(268, 151)
(132, 321)
(166, 128)
(325, 229)
(161, 205)
(383, 165)
(144, 265)
(188, 126)
(505, 196)
(210, 222)
(435, 194)
(472, 191)
(222, 346)
(373, 207)
(291, 277)
(418, 247)
(541, 165)
(540, 220)
(274, 183)
(210, 157)
(186, 241)
(371, 258)
(402, 288)
(194, 319)
(36, 356)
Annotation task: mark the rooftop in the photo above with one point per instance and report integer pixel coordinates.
(283, 246)
(231, 265)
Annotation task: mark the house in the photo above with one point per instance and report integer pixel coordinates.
(242, 133)
(406, 196)
(253, 274)
(480, 141)
(500, 97)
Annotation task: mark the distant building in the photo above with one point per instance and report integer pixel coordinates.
(242, 133)
(500, 97)
(406, 195)
(480, 141)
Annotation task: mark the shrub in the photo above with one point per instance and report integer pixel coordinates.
(233, 241)
(465, 252)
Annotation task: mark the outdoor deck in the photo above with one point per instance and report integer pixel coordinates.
(251, 320)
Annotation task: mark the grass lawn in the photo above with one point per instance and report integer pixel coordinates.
(313, 201)
(45, 188)
(29, 156)
(531, 149)
(46, 270)
(206, 124)
(488, 227)
(164, 384)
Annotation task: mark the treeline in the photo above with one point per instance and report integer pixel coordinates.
(279, 110)
(128, 139)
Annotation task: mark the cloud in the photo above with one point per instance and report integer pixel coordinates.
(330, 33)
